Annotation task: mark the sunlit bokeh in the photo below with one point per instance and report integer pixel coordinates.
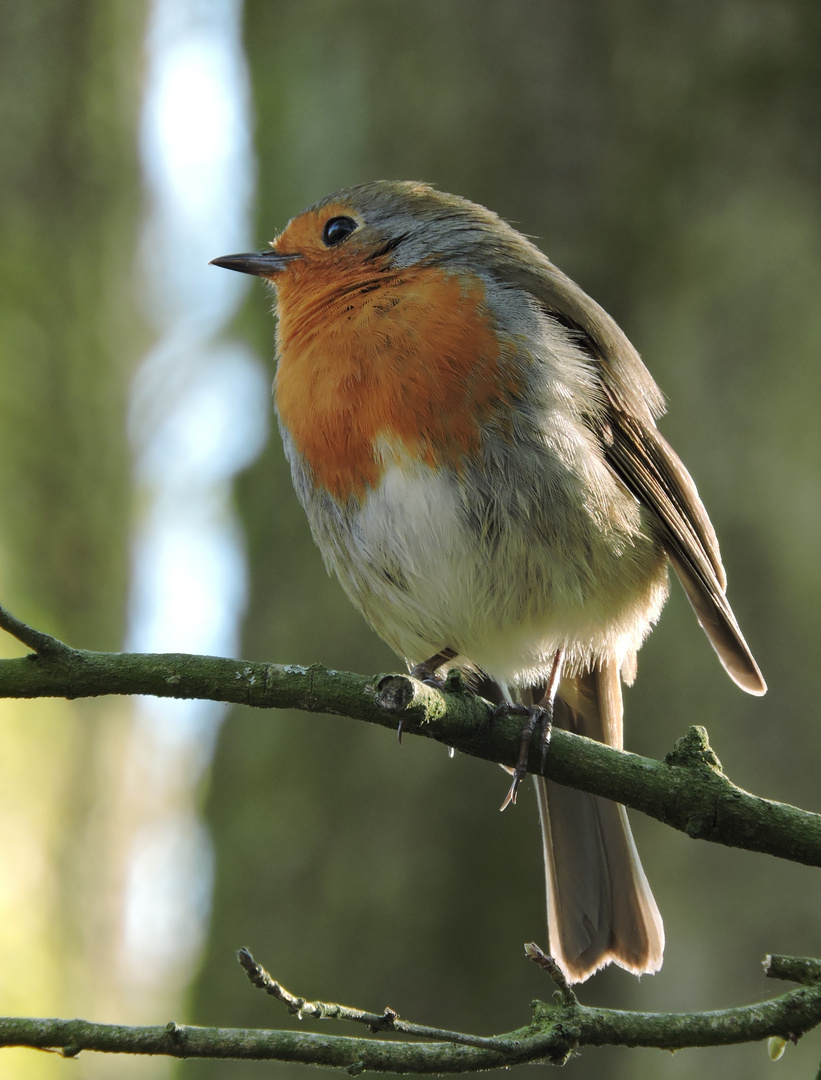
(198, 414)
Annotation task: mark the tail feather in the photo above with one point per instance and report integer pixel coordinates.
(600, 907)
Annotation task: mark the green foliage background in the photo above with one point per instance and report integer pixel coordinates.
(667, 157)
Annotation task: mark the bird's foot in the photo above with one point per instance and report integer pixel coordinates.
(425, 672)
(537, 716)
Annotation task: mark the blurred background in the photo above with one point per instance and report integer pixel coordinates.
(667, 157)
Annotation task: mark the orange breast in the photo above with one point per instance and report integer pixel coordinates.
(411, 357)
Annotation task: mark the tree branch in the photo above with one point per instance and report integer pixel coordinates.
(687, 791)
(556, 1031)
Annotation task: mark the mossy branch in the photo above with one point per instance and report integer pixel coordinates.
(688, 790)
(557, 1030)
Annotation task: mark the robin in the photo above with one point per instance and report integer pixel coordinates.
(474, 441)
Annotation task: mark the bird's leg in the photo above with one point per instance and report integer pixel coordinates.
(535, 715)
(548, 701)
(426, 673)
(539, 714)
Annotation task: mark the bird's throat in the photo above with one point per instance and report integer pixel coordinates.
(411, 360)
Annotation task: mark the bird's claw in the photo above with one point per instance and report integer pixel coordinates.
(536, 715)
(425, 671)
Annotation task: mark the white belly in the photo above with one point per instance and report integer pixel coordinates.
(505, 578)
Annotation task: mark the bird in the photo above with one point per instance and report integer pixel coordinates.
(475, 443)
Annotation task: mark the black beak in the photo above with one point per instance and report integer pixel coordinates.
(261, 263)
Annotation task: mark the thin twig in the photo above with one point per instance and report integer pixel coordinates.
(548, 964)
(389, 1020)
(40, 642)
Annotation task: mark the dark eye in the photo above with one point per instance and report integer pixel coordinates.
(336, 229)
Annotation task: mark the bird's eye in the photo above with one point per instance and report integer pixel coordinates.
(336, 229)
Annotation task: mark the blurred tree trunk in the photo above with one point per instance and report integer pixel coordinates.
(669, 158)
(69, 336)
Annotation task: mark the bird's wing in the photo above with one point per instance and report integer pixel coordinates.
(647, 464)
(651, 469)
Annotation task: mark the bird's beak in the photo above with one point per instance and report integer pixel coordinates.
(262, 263)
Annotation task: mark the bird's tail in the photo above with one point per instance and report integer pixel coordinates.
(600, 907)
